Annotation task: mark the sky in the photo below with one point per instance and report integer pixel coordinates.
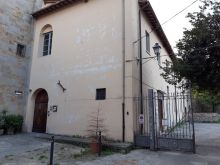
(165, 9)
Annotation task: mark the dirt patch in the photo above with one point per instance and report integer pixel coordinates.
(63, 154)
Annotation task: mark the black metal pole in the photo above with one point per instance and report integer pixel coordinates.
(51, 150)
(123, 122)
(141, 70)
(175, 104)
(123, 76)
(193, 125)
(100, 143)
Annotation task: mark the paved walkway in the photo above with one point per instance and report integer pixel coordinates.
(208, 151)
(12, 145)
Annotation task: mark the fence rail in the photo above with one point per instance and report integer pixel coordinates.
(168, 121)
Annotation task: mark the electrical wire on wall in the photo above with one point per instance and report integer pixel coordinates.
(168, 20)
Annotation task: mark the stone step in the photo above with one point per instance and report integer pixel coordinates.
(119, 146)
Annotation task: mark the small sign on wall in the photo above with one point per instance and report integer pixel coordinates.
(141, 119)
(53, 108)
(165, 122)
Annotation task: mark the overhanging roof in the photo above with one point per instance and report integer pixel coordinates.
(50, 1)
(155, 25)
(144, 4)
(54, 7)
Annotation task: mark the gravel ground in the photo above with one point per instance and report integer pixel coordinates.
(63, 154)
(26, 150)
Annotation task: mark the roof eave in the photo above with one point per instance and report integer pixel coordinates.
(156, 26)
(54, 7)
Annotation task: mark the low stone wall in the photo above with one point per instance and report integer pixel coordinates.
(206, 117)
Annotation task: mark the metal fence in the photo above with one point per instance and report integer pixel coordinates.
(168, 122)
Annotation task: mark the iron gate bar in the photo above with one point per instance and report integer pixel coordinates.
(169, 122)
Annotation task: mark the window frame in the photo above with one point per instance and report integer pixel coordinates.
(147, 42)
(21, 50)
(48, 50)
(101, 94)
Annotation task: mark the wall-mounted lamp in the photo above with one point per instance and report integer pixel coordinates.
(18, 93)
(157, 49)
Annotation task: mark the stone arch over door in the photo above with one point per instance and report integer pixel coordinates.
(40, 111)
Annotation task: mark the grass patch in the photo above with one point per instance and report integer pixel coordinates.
(42, 157)
(8, 156)
(82, 153)
(210, 122)
(108, 151)
(62, 148)
(54, 164)
(78, 136)
(86, 152)
(218, 121)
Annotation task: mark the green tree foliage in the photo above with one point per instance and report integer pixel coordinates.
(207, 98)
(198, 57)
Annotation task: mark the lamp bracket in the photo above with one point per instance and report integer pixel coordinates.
(59, 83)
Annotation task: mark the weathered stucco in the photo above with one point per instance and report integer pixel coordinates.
(87, 54)
(15, 27)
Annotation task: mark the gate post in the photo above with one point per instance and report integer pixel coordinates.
(151, 118)
(192, 120)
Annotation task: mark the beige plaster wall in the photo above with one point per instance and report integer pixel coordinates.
(86, 54)
(151, 71)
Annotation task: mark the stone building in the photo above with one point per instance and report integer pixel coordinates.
(16, 29)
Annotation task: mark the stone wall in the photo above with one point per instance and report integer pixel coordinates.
(16, 26)
(206, 117)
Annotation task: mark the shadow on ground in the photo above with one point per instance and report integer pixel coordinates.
(24, 150)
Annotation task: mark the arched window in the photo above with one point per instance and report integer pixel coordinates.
(46, 40)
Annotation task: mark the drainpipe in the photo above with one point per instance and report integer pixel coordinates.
(141, 70)
(123, 70)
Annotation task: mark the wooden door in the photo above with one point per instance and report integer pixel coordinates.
(40, 112)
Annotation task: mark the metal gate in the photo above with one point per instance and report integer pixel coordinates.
(168, 122)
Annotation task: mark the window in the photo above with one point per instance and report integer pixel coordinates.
(21, 49)
(47, 43)
(101, 94)
(147, 42)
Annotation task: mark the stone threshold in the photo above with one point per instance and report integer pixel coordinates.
(117, 146)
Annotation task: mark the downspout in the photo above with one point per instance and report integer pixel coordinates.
(123, 70)
(141, 70)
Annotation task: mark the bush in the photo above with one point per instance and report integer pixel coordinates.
(2, 121)
(14, 121)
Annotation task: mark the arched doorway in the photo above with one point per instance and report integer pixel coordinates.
(40, 112)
